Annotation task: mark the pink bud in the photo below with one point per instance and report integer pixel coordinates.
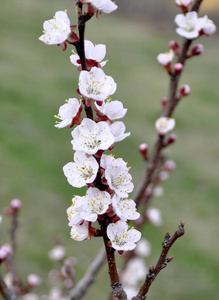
(164, 176)
(15, 204)
(184, 91)
(33, 280)
(196, 50)
(5, 251)
(170, 165)
(164, 101)
(178, 68)
(143, 148)
(174, 46)
(171, 139)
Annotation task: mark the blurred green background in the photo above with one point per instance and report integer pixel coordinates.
(36, 79)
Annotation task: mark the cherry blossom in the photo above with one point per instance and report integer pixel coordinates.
(107, 6)
(163, 125)
(82, 171)
(95, 203)
(143, 248)
(209, 26)
(91, 137)
(74, 210)
(67, 112)
(56, 30)
(189, 24)
(154, 216)
(125, 208)
(117, 176)
(122, 238)
(135, 271)
(118, 129)
(80, 232)
(112, 109)
(57, 253)
(93, 52)
(165, 59)
(96, 85)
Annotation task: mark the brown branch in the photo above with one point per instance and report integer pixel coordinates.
(170, 107)
(89, 277)
(7, 294)
(162, 262)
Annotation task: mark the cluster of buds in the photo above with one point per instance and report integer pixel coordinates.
(107, 178)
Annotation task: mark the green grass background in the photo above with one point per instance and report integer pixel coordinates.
(35, 81)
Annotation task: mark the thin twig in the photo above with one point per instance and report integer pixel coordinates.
(89, 277)
(162, 262)
(171, 105)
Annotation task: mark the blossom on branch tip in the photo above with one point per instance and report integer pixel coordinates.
(122, 238)
(164, 125)
(56, 30)
(82, 171)
(189, 24)
(112, 109)
(90, 137)
(67, 112)
(125, 208)
(117, 176)
(96, 85)
(93, 53)
(80, 232)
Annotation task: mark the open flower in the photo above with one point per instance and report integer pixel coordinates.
(74, 210)
(80, 232)
(122, 238)
(96, 53)
(96, 85)
(209, 26)
(117, 176)
(91, 137)
(112, 109)
(125, 208)
(56, 30)
(82, 171)
(107, 6)
(67, 112)
(163, 125)
(165, 59)
(189, 25)
(95, 203)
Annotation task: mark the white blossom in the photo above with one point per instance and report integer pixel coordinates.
(95, 203)
(96, 85)
(57, 253)
(154, 216)
(67, 112)
(131, 291)
(93, 52)
(164, 125)
(91, 137)
(80, 232)
(189, 25)
(166, 58)
(56, 30)
(74, 210)
(33, 280)
(143, 248)
(112, 109)
(209, 26)
(183, 2)
(125, 208)
(107, 6)
(158, 191)
(117, 176)
(135, 270)
(82, 171)
(122, 238)
(118, 131)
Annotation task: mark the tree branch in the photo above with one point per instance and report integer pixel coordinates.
(89, 277)
(162, 262)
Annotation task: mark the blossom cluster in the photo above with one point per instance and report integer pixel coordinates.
(107, 178)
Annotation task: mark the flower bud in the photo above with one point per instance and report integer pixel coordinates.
(15, 204)
(5, 251)
(164, 101)
(209, 27)
(154, 216)
(170, 140)
(165, 59)
(184, 91)
(33, 280)
(170, 165)
(158, 191)
(57, 253)
(143, 148)
(178, 68)
(196, 50)
(183, 4)
(174, 45)
(164, 176)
